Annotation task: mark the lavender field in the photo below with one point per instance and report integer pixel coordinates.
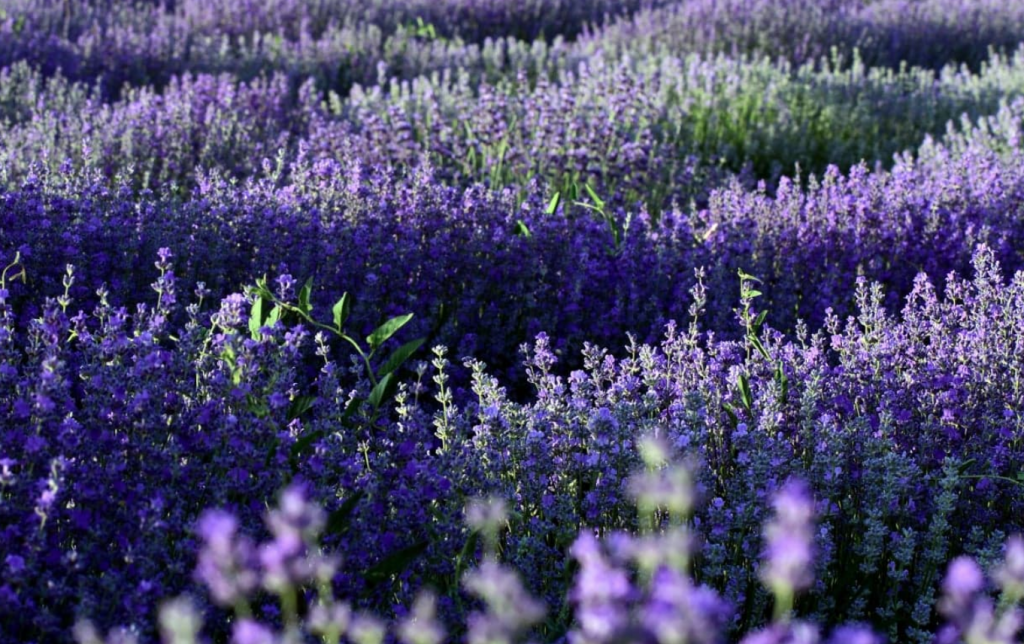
(512, 321)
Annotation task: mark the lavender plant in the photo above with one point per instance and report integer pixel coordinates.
(607, 441)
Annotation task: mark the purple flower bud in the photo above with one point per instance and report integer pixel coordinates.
(15, 564)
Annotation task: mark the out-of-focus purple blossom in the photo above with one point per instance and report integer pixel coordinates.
(486, 515)
(248, 631)
(854, 634)
(600, 593)
(330, 621)
(422, 625)
(963, 581)
(788, 564)
(225, 561)
(366, 629)
(180, 622)
(679, 611)
(510, 610)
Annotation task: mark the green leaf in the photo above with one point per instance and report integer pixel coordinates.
(731, 413)
(467, 552)
(760, 320)
(351, 408)
(751, 294)
(256, 317)
(304, 295)
(256, 406)
(262, 288)
(398, 358)
(966, 465)
(745, 397)
(747, 276)
(274, 317)
(754, 340)
(395, 563)
(377, 395)
(339, 520)
(299, 406)
(386, 330)
(593, 196)
(522, 230)
(341, 310)
(553, 204)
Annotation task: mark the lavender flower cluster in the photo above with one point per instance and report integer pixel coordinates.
(648, 128)
(339, 41)
(342, 41)
(485, 270)
(658, 321)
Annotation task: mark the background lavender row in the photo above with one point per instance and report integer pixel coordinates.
(338, 41)
(904, 428)
(484, 271)
(341, 42)
(889, 33)
(651, 130)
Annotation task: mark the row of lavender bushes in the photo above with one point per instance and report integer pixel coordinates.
(342, 42)
(339, 42)
(121, 426)
(889, 33)
(543, 198)
(652, 130)
(486, 270)
(629, 587)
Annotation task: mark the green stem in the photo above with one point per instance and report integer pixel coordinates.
(783, 605)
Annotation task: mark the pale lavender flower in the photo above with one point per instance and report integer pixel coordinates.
(180, 622)
(225, 561)
(510, 608)
(789, 541)
(421, 626)
(366, 629)
(249, 631)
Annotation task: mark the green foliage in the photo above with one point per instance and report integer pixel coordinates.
(268, 309)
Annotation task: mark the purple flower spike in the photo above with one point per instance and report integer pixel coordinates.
(789, 548)
(601, 592)
(224, 563)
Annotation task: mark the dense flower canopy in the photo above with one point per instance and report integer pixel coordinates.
(668, 321)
